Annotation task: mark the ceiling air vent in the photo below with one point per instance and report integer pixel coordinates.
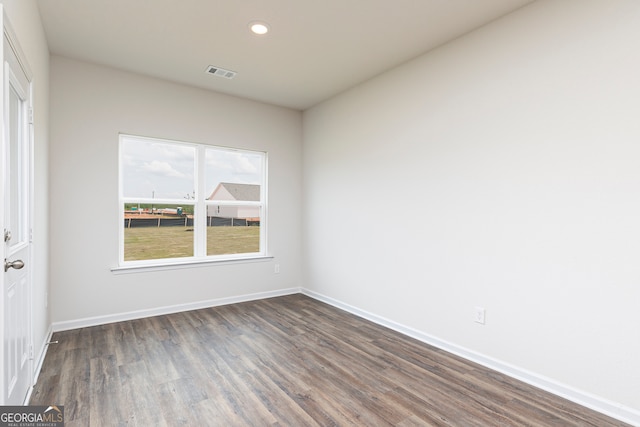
(221, 72)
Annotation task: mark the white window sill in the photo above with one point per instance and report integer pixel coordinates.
(177, 265)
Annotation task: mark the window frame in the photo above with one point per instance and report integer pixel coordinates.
(200, 208)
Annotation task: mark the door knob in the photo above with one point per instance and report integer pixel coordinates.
(17, 264)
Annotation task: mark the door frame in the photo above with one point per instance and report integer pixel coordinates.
(10, 36)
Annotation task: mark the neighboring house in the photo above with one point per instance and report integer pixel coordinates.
(226, 191)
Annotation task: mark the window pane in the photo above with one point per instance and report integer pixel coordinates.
(235, 231)
(157, 170)
(156, 232)
(233, 175)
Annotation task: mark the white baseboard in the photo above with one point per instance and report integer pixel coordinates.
(604, 406)
(139, 314)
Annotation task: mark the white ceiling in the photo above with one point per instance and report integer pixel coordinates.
(315, 49)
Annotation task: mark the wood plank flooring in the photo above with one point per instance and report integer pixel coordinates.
(286, 361)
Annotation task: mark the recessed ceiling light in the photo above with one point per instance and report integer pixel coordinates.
(259, 28)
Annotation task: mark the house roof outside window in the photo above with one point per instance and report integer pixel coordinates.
(233, 191)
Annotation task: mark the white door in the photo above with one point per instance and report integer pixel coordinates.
(16, 297)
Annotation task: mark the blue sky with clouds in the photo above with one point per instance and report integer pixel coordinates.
(163, 170)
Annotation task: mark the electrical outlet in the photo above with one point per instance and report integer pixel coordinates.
(276, 268)
(479, 315)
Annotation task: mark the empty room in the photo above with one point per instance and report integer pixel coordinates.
(180, 249)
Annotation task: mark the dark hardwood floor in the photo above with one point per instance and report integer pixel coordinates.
(287, 361)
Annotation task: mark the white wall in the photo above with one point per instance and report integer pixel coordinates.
(25, 21)
(90, 105)
(514, 152)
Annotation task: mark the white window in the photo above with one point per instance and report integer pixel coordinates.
(182, 202)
